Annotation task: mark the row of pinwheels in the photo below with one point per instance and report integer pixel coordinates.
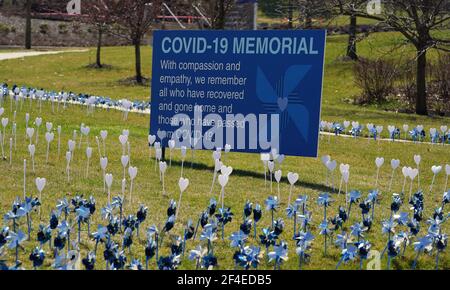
(20, 93)
(416, 134)
(117, 233)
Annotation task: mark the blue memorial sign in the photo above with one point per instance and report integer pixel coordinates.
(253, 90)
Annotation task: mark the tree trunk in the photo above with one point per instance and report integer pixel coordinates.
(220, 22)
(99, 47)
(137, 52)
(421, 82)
(28, 25)
(351, 48)
(290, 15)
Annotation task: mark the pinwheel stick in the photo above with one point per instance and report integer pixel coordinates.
(179, 205)
(432, 183)
(24, 178)
(10, 150)
(278, 189)
(290, 194)
(376, 180)
(1, 142)
(182, 167)
(392, 178)
(446, 183)
(271, 181)
(163, 188)
(213, 181)
(265, 175)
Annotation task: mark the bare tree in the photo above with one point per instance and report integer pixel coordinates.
(135, 19)
(99, 14)
(215, 10)
(351, 7)
(417, 21)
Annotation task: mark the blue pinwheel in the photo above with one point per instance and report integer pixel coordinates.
(348, 254)
(141, 215)
(325, 231)
(177, 246)
(279, 254)
(363, 251)
(393, 250)
(44, 235)
(357, 230)
(117, 202)
(373, 197)
(127, 239)
(188, 232)
(15, 242)
(353, 197)
(248, 208)
(168, 262)
(325, 201)
(63, 207)
(135, 265)
(4, 234)
(83, 214)
(272, 204)
(37, 256)
(89, 261)
(100, 236)
(150, 250)
(246, 226)
(247, 257)
(224, 217)
(209, 261)
(153, 237)
(304, 220)
(423, 244)
(404, 238)
(285, 99)
(238, 239)
(197, 255)
(303, 242)
(257, 214)
(209, 234)
(441, 244)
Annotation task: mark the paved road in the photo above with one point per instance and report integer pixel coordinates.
(21, 54)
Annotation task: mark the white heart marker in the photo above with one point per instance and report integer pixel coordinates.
(435, 169)
(183, 183)
(162, 170)
(40, 184)
(278, 175)
(49, 138)
(292, 178)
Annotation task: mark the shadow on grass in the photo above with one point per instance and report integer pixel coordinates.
(252, 174)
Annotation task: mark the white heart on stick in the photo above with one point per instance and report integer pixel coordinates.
(132, 171)
(226, 170)
(379, 161)
(40, 183)
(108, 179)
(436, 169)
(395, 163)
(183, 183)
(292, 177)
(223, 180)
(277, 175)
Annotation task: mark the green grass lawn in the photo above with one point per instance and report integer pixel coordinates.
(246, 183)
(69, 72)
